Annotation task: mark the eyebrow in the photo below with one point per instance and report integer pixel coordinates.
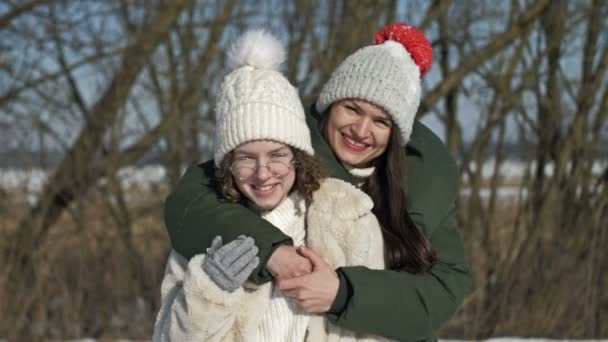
(354, 104)
(375, 116)
(388, 120)
(279, 149)
(249, 153)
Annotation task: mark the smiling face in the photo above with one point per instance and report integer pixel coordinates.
(265, 188)
(358, 131)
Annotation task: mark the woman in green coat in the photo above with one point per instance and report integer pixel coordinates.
(366, 122)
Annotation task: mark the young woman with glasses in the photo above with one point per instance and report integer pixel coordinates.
(271, 164)
(264, 160)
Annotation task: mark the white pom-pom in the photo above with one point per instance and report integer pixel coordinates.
(259, 49)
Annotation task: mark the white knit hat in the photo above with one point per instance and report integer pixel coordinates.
(256, 101)
(387, 74)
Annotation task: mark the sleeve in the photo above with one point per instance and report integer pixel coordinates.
(193, 308)
(407, 306)
(195, 213)
(343, 295)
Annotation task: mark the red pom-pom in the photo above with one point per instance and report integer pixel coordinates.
(414, 42)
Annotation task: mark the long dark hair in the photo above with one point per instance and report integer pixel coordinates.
(405, 247)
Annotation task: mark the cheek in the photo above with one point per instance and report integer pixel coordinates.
(339, 119)
(383, 137)
(385, 141)
(289, 180)
(331, 133)
(239, 185)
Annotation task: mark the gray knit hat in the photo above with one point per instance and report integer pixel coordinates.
(387, 74)
(256, 101)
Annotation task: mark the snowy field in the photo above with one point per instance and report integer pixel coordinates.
(31, 181)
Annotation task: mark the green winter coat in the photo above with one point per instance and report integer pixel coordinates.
(399, 305)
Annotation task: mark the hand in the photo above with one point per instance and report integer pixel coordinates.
(286, 263)
(316, 291)
(230, 265)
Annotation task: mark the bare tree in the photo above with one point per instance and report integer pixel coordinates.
(107, 83)
(519, 259)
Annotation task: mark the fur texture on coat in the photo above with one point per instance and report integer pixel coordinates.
(340, 228)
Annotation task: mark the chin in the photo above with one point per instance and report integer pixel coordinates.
(266, 204)
(354, 161)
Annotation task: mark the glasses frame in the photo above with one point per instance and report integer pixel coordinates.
(290, 166)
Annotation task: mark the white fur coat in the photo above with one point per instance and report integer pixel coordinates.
(341, 229)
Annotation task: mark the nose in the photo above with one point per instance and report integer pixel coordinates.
(361, 128)
(262, 173)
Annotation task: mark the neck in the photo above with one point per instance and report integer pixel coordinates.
(288, 216)
(361, 173)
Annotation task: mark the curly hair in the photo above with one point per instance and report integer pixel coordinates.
(309, 174)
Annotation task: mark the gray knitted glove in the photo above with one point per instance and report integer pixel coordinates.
(230, 265)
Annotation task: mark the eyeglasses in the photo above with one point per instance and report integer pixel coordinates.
(244, 168)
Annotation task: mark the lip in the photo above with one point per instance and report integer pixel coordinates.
(352, 147)
(264, 193)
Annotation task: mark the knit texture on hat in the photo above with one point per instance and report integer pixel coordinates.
(256, 102)
(385, 75)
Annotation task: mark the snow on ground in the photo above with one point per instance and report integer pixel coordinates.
(31, 181)
(28, 183)
(34, 179)
(507, 192)
(514, 169)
